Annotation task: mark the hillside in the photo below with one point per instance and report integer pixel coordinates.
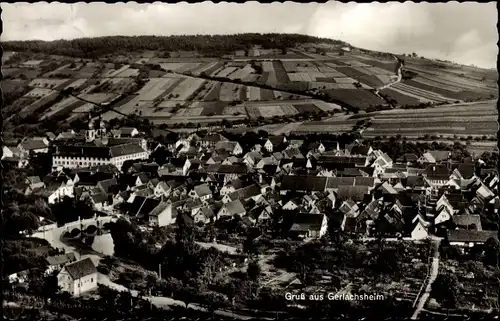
(248, 79)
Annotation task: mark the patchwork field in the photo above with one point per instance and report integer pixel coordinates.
(476, 120)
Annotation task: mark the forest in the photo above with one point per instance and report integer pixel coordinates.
(211, 45)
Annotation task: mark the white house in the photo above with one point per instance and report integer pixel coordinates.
(66, 189)
(290, 205)
(78, 277)
(420, 230)
(231, 209)
(202, 192)
(309, 225)
(163, 214)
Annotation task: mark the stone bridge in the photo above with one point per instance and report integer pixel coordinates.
(91, 226)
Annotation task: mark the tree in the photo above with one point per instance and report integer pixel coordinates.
(491, 251)
(254, 270)
(187, 294)
(445, 290)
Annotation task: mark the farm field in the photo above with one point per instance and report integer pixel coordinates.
(467, 120)
(49, 83)
(230, 92)
(154, 88)
(186, 88)
(359, 98)
(65, 106)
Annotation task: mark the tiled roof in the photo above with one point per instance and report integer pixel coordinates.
(466, 221)
(307, 221)
(235, 207)
(31, 144)
(245, 193)
(80, 269)
(470, 236)
(125, 149)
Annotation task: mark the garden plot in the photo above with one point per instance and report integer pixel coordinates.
(344, 80)
(154, 88)
(327, 106)
(213, 108)
(186, 88)
(85, 108)
(242, 73)
(238, 110)
(385, 79)
(57, 70)
(188, 112)
(214, 92)
(129, 72)
(251, 78)
(224, 73)
(39, 92)
(168, 104)
(61, 106)
(432, 83)
(420, 92)
(172, 66)
(404, 93)
(99, 98)
(267, 66)
(289, 109)
(253, 111)
(334, 74)
(114, 72)
(294, 77)
(188, 67)
(230, 92)
(202, 67)
(271, 111)
(289, 66)
(253, 93)
(206, 87)
(77, 84)
(47, 83)
(401, 99)
(266, 94)
(305, 76)
(272, 79)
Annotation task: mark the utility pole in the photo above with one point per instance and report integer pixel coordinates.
(159, 270)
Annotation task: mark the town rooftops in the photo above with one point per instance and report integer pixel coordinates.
(245, 193)
(235, 207)
(306, 222)
(125, 149)
(32, 144)
(202, 190)
(80, 269)
(407, 158)
(468, 222)
(472, 236)
(226, 169)
(303, 183)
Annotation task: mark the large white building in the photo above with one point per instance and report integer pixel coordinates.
(78, 277)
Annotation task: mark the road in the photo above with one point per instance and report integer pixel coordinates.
(433, 275)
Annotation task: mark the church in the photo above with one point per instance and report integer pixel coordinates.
(98, 148)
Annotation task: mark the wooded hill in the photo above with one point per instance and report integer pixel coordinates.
(212, 45)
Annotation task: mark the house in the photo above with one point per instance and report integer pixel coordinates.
(11, 151)
(407, 159)
(261, 213)
(78, 277)
(420, 229)
(302, 183)
(274, 142)
(211, 139)
(291, 205)
(125, 132)
(57, 262)
(233, 148)
(464, 171)
(468, 222)
(34, 145)
(202, 192)
(34, 183)
(245, 193)
(445, 215)
(252, 158)
(204, 215)
(66, 188)
(358, 150)
(307, 225)
(434, 157)
(163, 214)
(231, 209)
(31, 64)
(436, 175)
(469, 238)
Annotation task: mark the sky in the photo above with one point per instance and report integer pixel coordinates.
(461, 32)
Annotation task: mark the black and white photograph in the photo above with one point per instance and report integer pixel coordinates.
(250, 161)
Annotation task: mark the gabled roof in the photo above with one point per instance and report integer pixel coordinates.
(226, 169)
(125, 149)
(160, 208)
(438, 171)
(303, 183)
(214, 137)
(407, 158)
(33, 180)
(235, 207)
(99, 198)
(359, 150)
(202, 190)
(32, 143)
(465, 170)
(470, 236)
(439, 155)
(106, 184)
(276, 140)
(80, 269)
(356, 193)
(307, 221)
(245, 193)
(466, 222)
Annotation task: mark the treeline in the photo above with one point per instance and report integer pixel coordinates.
(209, 45)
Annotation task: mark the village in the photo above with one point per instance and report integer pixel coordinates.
(253, 198)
